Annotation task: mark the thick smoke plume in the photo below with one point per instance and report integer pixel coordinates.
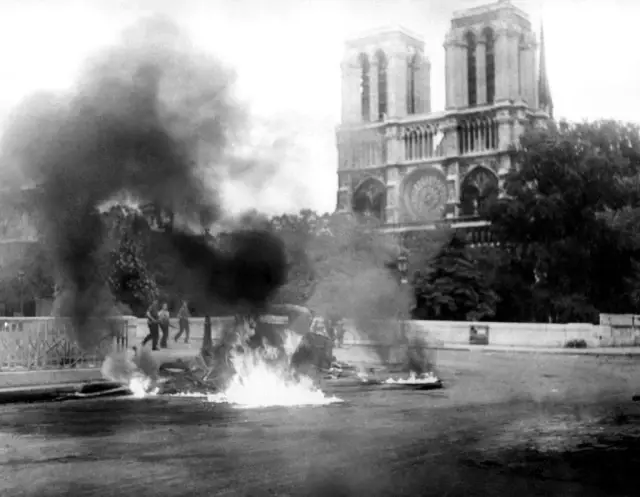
(155, 119)
(355, 281)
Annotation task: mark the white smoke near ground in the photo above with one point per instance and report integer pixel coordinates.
(135, 369)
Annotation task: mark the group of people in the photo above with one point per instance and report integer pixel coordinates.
(159, 322)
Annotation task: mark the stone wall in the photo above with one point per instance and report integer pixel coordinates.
(514, 334)
(44, 343)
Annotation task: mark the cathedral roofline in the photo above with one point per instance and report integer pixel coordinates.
(486, 8)
(384, 31)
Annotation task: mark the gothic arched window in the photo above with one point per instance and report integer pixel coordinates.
(381, 60)
(472, 91)
(365, 90)
(490, 64)
(412, 76)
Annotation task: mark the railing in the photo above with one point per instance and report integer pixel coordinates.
(48, 343)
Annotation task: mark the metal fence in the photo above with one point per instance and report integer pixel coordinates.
(48, 343)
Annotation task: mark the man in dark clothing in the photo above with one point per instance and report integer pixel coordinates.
(153, 324)
(164, 321)
(183, 322)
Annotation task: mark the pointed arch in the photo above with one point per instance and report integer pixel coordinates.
(472, 77)
(478, 187)
(381, 63)
(365, 87)
(490, 63)
(370, 198)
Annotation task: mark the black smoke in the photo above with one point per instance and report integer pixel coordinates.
(157, 120)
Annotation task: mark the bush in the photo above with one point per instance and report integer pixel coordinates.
(576, 344)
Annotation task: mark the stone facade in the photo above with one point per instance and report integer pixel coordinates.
(410, 167)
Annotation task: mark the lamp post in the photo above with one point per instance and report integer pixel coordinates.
(21, 290)
(402, 264)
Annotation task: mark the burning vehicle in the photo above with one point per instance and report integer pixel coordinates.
(282, 337)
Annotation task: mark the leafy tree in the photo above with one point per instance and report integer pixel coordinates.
(422, 247)
(129, 278)
(298, 233)
(555, 223)
(453, 287)
(27, 274)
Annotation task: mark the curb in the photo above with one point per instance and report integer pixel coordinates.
(572, 352)
(612, 351)
(50, 393)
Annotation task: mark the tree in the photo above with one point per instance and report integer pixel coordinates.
(26, 275)
(554, 224)
(128, 277)
(453, 288)
(298, 232)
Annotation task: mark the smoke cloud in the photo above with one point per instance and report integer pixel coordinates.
(355, 280)
(153, 118)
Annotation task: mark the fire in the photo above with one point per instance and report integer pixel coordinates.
(259, 380)
(260, 383)
(122, 368)
(140, 385)
(414, 379)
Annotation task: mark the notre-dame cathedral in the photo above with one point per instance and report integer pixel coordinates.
(416, 169)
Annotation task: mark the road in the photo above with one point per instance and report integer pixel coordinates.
(506, 424)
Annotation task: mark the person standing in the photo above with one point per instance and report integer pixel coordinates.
(340, 330)
(153, 324)
(164, 319)
(183, 322)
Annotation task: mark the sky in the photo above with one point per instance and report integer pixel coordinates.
(287, 55)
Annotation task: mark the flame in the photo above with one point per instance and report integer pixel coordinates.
(122, 368)
(260, 379)
(259, 382)
(414, 379)
(140, 386)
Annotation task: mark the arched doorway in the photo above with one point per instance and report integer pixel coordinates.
(370, 199)
(478, 187)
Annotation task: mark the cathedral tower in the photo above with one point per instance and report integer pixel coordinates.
(414, 169)
(490, 58)
(385, 75)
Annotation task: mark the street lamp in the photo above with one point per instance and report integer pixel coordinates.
(21, 283)
(403, 266)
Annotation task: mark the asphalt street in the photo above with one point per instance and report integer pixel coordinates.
(506, 424)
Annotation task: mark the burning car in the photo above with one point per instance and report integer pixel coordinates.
(282, 336)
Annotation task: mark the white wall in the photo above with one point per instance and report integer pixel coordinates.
(514, 334)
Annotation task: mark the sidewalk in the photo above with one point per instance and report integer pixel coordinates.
(361, 352)
(37, 386)
(594, 351)
(27, 379)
